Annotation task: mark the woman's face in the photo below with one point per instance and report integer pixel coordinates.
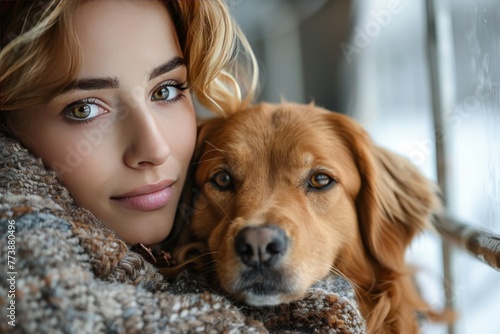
(121, 139)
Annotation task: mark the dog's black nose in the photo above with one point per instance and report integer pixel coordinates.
(261, 246)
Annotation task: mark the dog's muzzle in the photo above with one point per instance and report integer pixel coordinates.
(261, 249)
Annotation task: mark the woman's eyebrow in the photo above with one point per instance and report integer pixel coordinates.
(167, 67)
(110, 82)
(92, 84)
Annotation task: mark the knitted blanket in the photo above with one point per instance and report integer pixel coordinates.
(63, 271)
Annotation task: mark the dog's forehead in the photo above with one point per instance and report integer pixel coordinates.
(279, 131)
(290, 135)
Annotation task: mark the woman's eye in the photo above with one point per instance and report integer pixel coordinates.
(83, 111)
(222, 180)
(168, 92)
(165, 93)
(320, 181)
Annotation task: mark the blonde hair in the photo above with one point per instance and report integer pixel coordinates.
(38, 38)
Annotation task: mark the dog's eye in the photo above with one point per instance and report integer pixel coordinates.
(222, 180)
(320, 181)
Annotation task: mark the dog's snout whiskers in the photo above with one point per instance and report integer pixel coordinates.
(261, 246)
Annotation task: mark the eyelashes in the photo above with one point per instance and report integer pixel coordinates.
(84, 110)
(169, 91)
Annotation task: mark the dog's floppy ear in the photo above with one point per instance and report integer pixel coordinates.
(205, 129)
(395, 200)
(187, 202)
(395, 204)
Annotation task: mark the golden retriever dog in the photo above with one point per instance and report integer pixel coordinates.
(290, 193)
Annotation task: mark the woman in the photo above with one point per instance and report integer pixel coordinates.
(99, 93)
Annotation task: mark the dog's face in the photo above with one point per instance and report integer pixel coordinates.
(280, 199)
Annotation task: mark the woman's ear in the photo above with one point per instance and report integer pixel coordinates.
(395, 201)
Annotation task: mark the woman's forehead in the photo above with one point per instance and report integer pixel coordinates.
(116, 36)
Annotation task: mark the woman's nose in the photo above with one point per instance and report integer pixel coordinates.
(147, 145)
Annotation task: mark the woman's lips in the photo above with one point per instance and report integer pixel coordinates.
(147, 198)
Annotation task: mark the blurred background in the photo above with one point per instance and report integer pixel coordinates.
(401, 67)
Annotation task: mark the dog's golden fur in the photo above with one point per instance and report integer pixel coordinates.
(372, 205)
